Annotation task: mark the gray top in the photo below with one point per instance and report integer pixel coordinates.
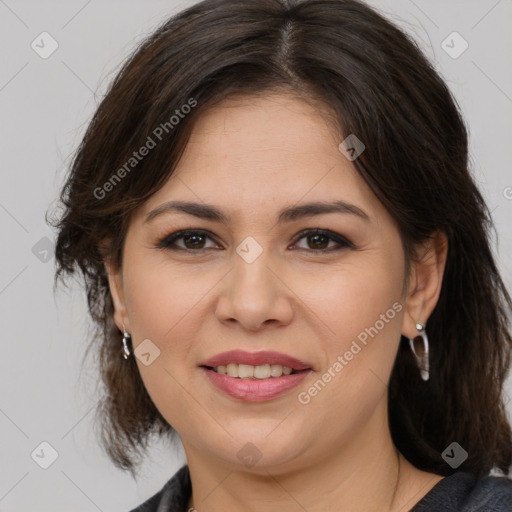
(459, 492)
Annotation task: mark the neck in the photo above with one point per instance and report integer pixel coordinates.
(367, 474)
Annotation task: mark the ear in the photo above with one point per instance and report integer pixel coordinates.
(425, 280)
(115, 280)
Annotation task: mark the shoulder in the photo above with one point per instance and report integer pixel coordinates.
(464, 492)
(173, 497)
(492, 493)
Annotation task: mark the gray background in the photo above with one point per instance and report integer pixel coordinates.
(45, 105)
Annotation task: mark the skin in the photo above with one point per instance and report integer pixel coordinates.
(251, 157)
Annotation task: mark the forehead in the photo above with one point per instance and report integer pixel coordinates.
(249, 152)
(262, 129)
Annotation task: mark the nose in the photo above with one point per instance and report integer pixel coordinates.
(255, 296)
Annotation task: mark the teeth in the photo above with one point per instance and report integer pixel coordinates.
(232, 370)
(262, 371)
(247, 371)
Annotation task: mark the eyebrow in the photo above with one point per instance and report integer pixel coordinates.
(289, 214)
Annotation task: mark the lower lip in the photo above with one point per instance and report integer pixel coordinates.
(254, 390)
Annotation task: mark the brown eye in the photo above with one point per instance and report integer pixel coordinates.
(193, 240)
(318, 240)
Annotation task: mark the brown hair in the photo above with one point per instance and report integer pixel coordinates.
(378, 85)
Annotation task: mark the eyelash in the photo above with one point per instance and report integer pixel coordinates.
(168, 242)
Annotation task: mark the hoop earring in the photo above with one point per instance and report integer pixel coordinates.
(126, 340)
(421, 358)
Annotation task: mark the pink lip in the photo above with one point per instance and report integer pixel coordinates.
(255, 359)
(254, 390)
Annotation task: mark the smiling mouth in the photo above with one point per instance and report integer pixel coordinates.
(250, 372)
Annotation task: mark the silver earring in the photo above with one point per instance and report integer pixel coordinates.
(126, 339)
(422, 357)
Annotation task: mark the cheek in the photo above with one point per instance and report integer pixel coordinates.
(160, 303)
(353, 297)
(160, 298)
(362, 308)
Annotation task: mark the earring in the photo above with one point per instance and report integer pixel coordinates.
(126, 339)
(422, 357)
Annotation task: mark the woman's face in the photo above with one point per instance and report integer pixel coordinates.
(255, 282)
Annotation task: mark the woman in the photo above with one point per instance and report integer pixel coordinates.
(288, 265)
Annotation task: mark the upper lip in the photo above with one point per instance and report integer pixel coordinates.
(255, 359)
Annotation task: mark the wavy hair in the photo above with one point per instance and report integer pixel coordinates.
(375, 82)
